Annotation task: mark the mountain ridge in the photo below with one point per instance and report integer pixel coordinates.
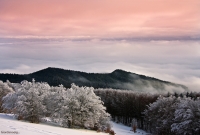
(118, 79)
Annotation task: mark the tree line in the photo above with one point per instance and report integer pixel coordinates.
(167, 114)
(125, 105)
(86, 107)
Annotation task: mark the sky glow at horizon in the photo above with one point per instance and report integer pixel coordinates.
(155, 38)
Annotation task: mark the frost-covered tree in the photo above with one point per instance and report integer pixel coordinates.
(160, 114)
(187, 117)
(9, 102)
(27, 101)
(174, 116)
(77, 106)
(81, 107)
(4, 90)
(54, 102)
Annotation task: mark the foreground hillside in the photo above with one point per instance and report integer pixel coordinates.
(8, 125)
(118, 79)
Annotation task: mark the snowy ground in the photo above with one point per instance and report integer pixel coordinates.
(121, 129)
(8, 125)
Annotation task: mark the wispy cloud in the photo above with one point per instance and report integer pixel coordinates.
(170, 60)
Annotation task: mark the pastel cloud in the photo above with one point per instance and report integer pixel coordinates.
(144, 36)
(100, 18)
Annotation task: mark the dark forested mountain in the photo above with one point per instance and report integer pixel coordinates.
(118, 79)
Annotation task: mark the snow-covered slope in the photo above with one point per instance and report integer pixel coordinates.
(8, 125)
(125, 130)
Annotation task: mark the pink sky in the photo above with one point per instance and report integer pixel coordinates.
(123, 22)
(100, 18)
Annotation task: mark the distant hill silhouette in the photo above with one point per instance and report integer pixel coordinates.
(118, 79)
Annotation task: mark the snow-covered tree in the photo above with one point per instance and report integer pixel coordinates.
(4, 90)
(77, 106)
(9, 102)
(187, 117)
(81, 107)
(54, 102)
(160, 114)
(27, 101)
